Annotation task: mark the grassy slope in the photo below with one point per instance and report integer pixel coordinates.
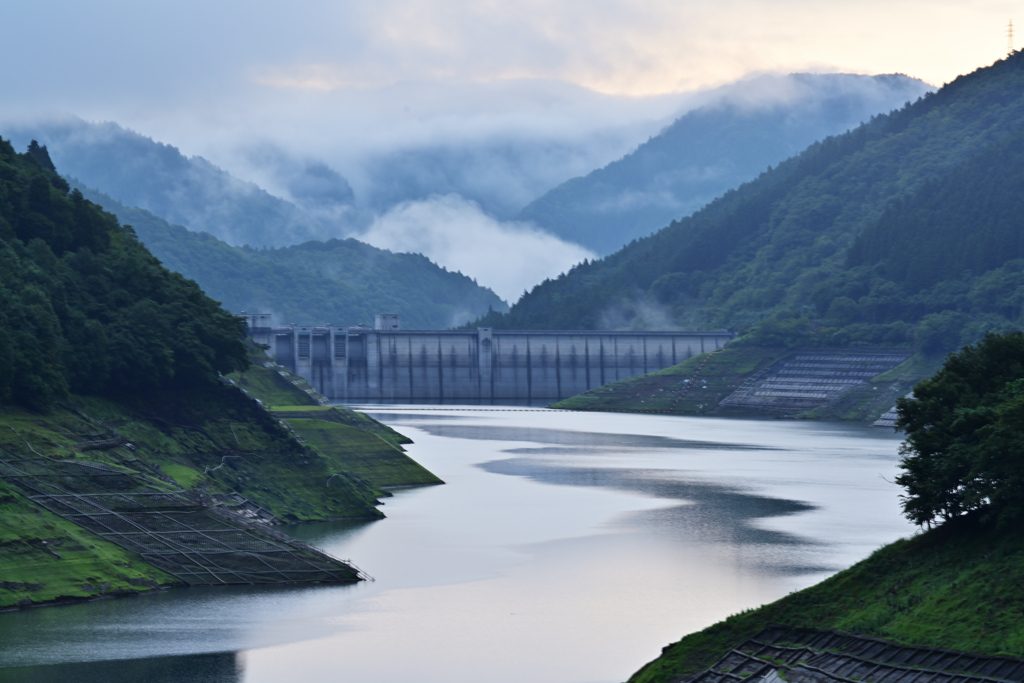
(351, 441)
(45, 558)
(226, 443)
(345, 416)
(955, 587)
(218, 442)
(272, 388)
(718, 375)
(362, 453)
(715, 376)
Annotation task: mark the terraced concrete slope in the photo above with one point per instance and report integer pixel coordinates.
(101, 497)
(188, 535)
(741, 379)
(810, 379)
(801, 655)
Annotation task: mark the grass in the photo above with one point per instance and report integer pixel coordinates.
(714, 375)
(362, 453)
(271, 387)
(717, 375)
(44, 558)
(345, 416)
(215, 440)
(955, 587)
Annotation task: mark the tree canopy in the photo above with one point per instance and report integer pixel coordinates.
(964, 450)
(84, 307)
(904, 231)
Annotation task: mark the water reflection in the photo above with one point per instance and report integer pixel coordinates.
(225, 667)
(713, 513)
(581, 441)
(565, 547)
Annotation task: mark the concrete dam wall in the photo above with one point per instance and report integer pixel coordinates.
(364, 363)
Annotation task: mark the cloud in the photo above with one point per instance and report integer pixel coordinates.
(507, 257)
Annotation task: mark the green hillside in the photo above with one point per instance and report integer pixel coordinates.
(710, 150)
(344, 282)
(114, 400)
(830, 239)
(955, 586)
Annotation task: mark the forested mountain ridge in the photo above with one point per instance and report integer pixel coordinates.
(139, 171)
(781, 245)
(85, 308)
(112, 392)
(753, 124)
(344, 282)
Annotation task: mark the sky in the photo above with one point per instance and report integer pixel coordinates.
(576, 83)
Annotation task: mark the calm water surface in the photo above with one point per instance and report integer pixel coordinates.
(565, 547)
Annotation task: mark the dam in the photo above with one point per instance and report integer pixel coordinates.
(386, 362)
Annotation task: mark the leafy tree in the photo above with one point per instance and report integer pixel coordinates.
(964, 449)
(84, 307)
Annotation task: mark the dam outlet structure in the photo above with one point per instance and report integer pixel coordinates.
(386, 362)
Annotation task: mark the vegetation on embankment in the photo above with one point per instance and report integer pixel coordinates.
(696, 385)
(357, 451)
(213, 442)
(358, 444)
(273, 386)
(113, 362)
(45, 558)
(957, 587)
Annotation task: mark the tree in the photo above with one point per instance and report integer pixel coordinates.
(964, 449)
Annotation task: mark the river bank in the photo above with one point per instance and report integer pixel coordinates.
(103, 497)
(955, 587)
(593, 540)
(745, 380)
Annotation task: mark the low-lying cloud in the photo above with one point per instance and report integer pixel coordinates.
(508, 257)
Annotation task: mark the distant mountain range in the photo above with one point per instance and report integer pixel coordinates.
(742, 128)
(905, 230)
(343, 282)
(138, 171)
(747, 127)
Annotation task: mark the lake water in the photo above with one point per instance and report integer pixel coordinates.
(564, 547)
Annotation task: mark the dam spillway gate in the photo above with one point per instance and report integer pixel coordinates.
(365, 363)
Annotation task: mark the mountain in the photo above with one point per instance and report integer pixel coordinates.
(85, 308)
(747, 127)
(124, 386)
(344, 282)
(904, 230)
(139, 171)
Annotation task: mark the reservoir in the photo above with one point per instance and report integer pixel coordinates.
(565, 547)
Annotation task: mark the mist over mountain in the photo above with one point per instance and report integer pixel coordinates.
(745, 128)
(450, 186)
(139, 171)
(305, 199)
(906, 230)
(342, 282)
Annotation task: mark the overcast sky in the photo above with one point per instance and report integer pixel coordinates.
(343, 80)
(121, 55)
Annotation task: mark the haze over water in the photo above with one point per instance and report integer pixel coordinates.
(564, 547)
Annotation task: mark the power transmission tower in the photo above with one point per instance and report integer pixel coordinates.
(1009, 38)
